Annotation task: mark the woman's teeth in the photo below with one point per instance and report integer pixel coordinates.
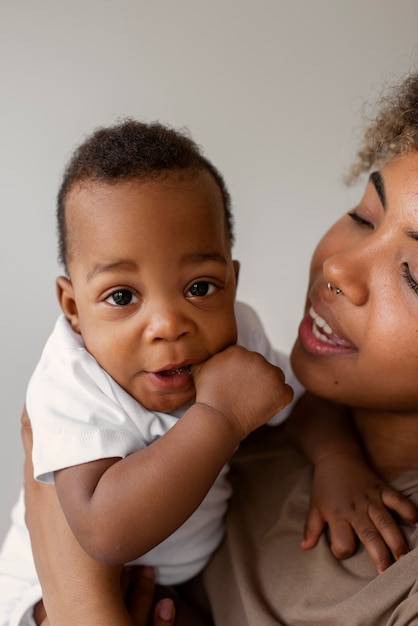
(319, 324)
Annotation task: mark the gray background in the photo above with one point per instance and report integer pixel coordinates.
(272, 89)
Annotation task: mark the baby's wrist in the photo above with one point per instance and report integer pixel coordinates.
(234, 429)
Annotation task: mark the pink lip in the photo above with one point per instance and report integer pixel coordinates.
(315, 346)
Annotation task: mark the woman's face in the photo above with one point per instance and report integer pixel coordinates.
(360, 347)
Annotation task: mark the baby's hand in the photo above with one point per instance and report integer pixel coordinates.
(243, 386)
(353, 500)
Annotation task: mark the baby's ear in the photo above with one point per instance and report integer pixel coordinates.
(65, 294)
(236, 270)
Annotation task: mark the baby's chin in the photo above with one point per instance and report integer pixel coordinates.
(171, 405)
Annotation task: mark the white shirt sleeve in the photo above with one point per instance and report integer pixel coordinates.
(251, 335)
(78, 412)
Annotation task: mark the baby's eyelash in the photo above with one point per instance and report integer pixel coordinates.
(409, 280)
(122, 297)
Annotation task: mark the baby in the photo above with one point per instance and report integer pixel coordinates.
(141, 394)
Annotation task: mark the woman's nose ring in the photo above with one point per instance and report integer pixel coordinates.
(331, 288)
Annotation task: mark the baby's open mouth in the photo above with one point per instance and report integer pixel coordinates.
(186, 369)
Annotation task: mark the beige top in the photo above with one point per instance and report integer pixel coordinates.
(261, 577)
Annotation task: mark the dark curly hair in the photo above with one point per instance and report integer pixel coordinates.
(133, 150)
(393, 131)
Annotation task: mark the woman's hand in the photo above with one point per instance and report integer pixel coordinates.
(138, 588)
(140, 593)
(76, 589)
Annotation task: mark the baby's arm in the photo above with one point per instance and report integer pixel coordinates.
(120, 508)
(347, 494)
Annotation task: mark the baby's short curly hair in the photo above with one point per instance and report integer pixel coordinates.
(132, 150)
(394, 130)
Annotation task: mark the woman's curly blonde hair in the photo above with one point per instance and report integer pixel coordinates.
(394, 130)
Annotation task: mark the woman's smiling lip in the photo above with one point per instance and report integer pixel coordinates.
(319, 338)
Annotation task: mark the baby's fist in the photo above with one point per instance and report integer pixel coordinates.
(243, 386)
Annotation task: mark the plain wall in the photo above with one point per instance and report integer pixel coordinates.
(272, 89)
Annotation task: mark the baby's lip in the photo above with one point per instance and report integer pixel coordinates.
(184, 369)
(174, 377)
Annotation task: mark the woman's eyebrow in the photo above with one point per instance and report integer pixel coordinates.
(377, 180)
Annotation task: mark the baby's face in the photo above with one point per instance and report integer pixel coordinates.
(359, 346)
(152, 281)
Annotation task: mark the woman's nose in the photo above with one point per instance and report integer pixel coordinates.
(347, 275)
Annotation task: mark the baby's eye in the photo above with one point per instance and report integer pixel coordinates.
(201, 288)
(122, 297)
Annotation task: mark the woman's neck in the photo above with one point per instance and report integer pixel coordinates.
(390, 440)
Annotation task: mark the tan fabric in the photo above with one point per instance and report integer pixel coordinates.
(261, 577)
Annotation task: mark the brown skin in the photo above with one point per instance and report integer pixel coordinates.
(171, 323)
(347, 494)
(154, 240)
(372, 360)
(163, 246)
(65, 580)
(377, 312)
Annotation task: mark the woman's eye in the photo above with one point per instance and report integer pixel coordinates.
(359, 220)
(122, 297)
(201, 288)
(409, 279)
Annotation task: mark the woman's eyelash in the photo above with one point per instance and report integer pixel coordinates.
(409, 280)
(360, 220)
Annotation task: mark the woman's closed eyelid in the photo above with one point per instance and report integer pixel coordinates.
(406, 273)
(356, 217)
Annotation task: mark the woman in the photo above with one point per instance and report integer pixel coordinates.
(358, 346)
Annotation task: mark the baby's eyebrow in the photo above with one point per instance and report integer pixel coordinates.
(130, 266)
(109, 267)
(199, 257)
(377, 180)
